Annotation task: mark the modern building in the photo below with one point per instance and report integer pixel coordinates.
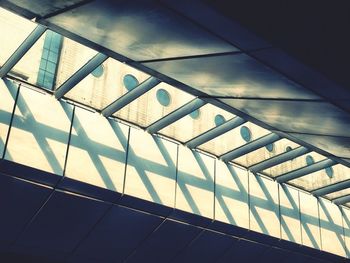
(142, 131)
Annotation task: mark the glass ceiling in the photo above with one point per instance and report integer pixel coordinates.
(53, 60)
(234, 138)
(16, 27)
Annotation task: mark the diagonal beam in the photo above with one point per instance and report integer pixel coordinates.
(249, 147)
(305, 170)
(342, 200)
(331, 188)
(176, 115)
(80, 75)
(278, 159)
(132, 95)
(22, 50)
(215, 132)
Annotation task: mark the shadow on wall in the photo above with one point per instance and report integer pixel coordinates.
(100, 148)
(34, 140)
(114, 156)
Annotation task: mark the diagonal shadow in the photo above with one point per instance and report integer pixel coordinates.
(346, 230)
(57, 135)
(262, 203)
(303, 223)
(221, 191)
(152, 166)
(289, 212)
(138, 164)
(331, 225)
(95, 152)
(204, 184)
(2, 146)
(42, 142)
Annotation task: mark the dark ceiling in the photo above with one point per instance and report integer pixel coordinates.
(314, 32)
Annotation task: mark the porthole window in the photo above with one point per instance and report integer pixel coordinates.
(219, 119)
(163, 97)
(288, 149)
(98, 72)
(130, 82)
(195, 114)
(329, 172)
(246, 134)
(309, 160)
(270, 147)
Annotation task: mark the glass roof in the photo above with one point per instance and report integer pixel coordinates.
(196, 123)
(28, 66)
(73, 56)
(53, 59)
(16, 27)
(323, 177)
(293, 164)
(266, 152)
(233, 139)
(152, 105)
(100, 90)
(338, 194)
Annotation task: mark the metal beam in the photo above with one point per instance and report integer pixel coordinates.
(331, 188)
(305, 170)
(342, 200)
(22, 50)
(176, 115)
(278, 159)
(215, 132)
(85, 70)
(250, 146)
(130, 96)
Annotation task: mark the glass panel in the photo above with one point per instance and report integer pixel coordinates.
(264, 213)
(231, 195)
(338, 194)
(309, 217)
(233, 139)
(106, 83)
(195, 183)
(102, 151)
(322, 178)
(149, 108)
(72, 57)
(29, 65)
(151, 169)
(294, 164)
(331, 226)
(266, 152)
(289, 213)
(196, 123)
(8, 91)
(49, 60)
(14, 30)
(52, 59)
(39, 132)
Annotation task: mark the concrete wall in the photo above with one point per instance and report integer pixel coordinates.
(60, 138)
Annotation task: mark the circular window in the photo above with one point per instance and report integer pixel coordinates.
(309, 160)
(246, 134)
(219, 119)
(288, 149)
(329, 172)
(130, 82)
(195, 114)
(163, 97)
(270, 147)
(98, 72)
